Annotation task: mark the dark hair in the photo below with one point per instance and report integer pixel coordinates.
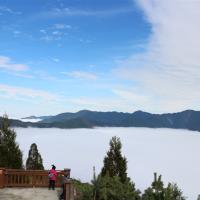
(53, 167)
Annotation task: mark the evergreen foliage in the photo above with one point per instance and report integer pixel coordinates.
(84, 190)
(113, 184)
(34, 161)
(157, 191)
(10, 154)
(111, 188)
(114, 163)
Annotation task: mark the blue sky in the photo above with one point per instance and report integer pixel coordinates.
(59, 56)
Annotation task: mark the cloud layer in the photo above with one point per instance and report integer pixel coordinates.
(170, 67)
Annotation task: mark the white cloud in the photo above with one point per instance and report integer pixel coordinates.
(43, 31)
(7, 64)
(5, 9)
(64, 12)
(131, 96)
(81, 75)
(62, 26)
(57, 33)
(101, 104)
(56, 59)
(47, 38)
(170, 67)
(16, 32)
(85, 40)
(26, 93)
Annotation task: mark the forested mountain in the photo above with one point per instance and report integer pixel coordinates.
(188, 119)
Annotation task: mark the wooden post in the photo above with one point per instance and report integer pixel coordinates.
(2, 177)
(69, 191)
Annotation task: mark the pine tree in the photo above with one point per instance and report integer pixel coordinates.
(10, 154)
(173, 192)
(111, 188)
(157, 191)
(114, 163)
(34, 161)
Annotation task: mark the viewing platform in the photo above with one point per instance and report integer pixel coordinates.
(33, 184)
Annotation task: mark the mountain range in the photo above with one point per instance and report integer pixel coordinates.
(188, 119)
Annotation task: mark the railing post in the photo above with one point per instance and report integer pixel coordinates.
(69, 191)
(2, 177)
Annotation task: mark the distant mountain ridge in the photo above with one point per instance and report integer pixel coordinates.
(188, 119)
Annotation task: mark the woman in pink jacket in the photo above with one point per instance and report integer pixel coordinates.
(52, 177)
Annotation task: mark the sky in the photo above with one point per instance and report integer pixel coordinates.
(105, 55)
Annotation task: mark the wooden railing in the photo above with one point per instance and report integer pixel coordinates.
(70, 192)
(28, 178)
(35, 178)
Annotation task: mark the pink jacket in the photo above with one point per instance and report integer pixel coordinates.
(52, 171)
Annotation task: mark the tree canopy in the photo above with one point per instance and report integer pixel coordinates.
(114, 163)
(10, 153)
(34, 160)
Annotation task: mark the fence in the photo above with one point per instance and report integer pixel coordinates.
(28, 178)
(35, 178)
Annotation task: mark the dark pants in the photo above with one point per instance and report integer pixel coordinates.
(52, 184)
(63, 192)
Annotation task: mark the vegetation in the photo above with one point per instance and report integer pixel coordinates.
(114, 184)
(84, 190)
(187, 119)
(115, 165)
(10, 154)
(112, 188)
(157, 191)
(34, 161)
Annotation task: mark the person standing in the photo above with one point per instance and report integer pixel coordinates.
(52, 177)
(65, 179)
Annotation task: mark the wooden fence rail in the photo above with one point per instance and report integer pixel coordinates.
(35, 178)
(28, 178)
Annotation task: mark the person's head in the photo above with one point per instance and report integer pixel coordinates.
(53, 167)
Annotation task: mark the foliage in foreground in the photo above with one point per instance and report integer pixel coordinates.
(84, 190)
(111, 188)
(113, 183)
(10, 153)
(34, 160)
(157, 191)
(114, 163)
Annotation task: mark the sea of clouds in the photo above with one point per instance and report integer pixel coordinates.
(172, 153)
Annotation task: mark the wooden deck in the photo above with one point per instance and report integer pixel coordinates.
(29, 194)
(15, 181)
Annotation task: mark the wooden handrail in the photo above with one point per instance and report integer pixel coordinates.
(2, 177)
(69, 191)
(35, 178)
(28, 178)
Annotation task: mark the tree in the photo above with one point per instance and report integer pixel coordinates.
(84, 190)
(10, 153)
(172, 192)
(157, 191)
(111, 188)
(114, 163)
(34, 160)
